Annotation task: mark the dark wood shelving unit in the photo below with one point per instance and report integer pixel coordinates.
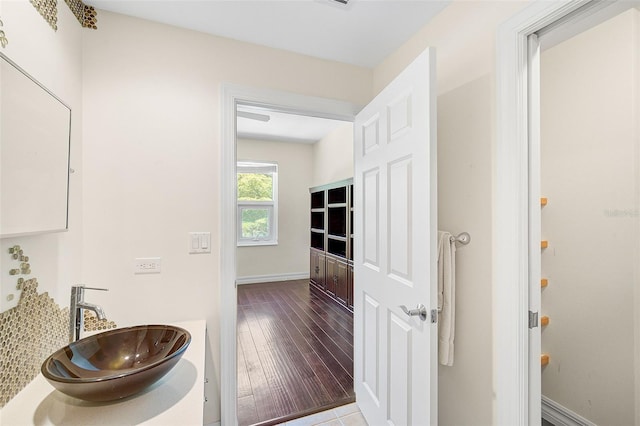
(331, 253)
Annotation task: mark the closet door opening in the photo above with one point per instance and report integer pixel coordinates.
(589, 222)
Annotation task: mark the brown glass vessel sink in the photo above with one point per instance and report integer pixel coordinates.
(117, 363)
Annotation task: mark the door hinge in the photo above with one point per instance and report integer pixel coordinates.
(434, 316)
(533, 319)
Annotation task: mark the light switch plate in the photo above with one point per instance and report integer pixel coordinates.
(199, 242)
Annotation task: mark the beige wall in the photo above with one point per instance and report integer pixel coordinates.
(54, 59)
(464, 188)
(464, 38)
(290, 256)
(333, 156)
(152, 156)
(150, 162)
(589, 172)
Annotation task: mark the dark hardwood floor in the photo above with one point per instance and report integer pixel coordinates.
(295, 352)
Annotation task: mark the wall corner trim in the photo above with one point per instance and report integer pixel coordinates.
(560, 415)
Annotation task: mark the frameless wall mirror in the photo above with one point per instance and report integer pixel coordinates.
(35, 129)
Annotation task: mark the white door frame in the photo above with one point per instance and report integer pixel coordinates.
(513, 199)
(231, 95)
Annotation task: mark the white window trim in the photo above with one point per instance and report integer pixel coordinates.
(259, 167)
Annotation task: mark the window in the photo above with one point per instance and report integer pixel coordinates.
(257, 203)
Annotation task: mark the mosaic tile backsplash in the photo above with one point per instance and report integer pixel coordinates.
(48, 9)
(92, 323)
(85, 14)
(29, 333)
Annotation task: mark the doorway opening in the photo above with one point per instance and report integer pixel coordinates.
(294, 339)
(232, 96)
(587, 119)
(518, 210)
(395, 212)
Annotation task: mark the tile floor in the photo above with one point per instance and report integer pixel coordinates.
(346, 415)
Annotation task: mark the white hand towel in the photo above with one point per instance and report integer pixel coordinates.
(446, 296)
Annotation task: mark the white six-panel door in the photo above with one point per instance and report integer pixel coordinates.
(395, 255)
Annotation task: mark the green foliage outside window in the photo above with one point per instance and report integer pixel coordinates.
(255, 223)
(255, 187)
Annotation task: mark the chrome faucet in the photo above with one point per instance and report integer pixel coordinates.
(76, 316)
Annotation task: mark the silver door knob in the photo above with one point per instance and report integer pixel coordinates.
(419, 311)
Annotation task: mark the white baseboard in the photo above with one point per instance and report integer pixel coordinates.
(272, 278)
(561, 416)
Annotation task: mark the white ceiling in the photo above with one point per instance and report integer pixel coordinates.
(362, 32)
(284, 127)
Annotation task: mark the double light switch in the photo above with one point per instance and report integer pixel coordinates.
(199, 242)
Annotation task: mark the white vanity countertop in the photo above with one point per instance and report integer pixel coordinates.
(176, 399)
